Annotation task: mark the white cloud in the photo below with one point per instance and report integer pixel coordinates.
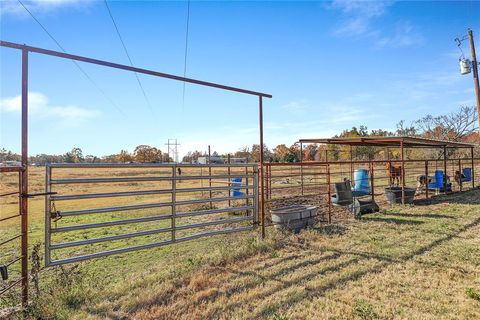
(358, 19)
(358, 15)
(39, 106)
(13, 7)
(405, 35)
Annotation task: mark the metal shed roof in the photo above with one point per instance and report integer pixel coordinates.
(395, 141)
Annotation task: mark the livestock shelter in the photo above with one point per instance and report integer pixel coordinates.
(390, 161)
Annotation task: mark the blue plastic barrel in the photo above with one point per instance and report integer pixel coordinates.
(236, 182)
(361, 181)
(467, 174)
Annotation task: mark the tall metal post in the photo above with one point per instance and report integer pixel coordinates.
(372, 180)
(260, 107)
(460, 174)
(426, 179)
(301, 166)
(329, 194)
(473, 167)
(351, 165)
(402, 157)
(445, 169)
(24, 179)
(475, 72)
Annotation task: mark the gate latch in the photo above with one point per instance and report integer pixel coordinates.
(39, 194)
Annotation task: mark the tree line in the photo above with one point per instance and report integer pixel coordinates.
(460, 126)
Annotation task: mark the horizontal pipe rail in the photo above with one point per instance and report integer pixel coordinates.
(10, 217)
(128, 68)
(10, 286)
(147, 232)
(143, 179)
(147, 246)
(9, 240)
(149, 219)
(147, 165)
(147, 206)
(143, 192)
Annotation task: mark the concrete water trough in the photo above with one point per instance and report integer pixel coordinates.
(294, 218)
(394, 195)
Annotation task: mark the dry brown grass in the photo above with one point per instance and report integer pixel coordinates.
(384, 267)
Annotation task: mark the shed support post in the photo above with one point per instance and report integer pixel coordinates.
(426, 179)
(445, 169)
(473, 168)
(301, 166)
(402, 157)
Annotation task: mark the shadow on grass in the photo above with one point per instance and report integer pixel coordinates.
(321, 290)
(471, 196)
(330, 229)
(296, 276)
(414, 215)
(393, 220)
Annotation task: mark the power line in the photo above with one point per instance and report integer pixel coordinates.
(74, 62)
(128, 56)
(186, 51)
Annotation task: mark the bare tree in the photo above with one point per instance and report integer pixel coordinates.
(453, 126)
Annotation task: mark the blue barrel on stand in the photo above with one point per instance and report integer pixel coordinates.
(236, 182)
(361, 182)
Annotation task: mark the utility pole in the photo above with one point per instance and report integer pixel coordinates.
(172, 149)
(475, 72)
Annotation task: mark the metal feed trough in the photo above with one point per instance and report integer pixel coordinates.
(295, 217)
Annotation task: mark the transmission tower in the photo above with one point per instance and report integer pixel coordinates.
(172, 149)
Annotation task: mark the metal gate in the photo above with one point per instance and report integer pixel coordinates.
(96, 210)
(13, 240)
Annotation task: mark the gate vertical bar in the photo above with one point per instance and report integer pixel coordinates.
(230, 180)
(210, 174)
(174, 201)
(24, 184)
(260, 109)
(48, 210)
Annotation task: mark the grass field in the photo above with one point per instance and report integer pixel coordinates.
(406, 262)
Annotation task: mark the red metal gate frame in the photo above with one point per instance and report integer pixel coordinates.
(24, 136)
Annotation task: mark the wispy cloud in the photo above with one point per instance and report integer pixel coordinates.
(358, 15)
(39, 106)
(13, 7)
(359, 19)
(404, 35)
(296, 107)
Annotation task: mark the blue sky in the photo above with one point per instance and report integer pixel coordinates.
(328, 65)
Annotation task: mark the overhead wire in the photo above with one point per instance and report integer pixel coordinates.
(186, 53)
(74, 62)
(128, 56)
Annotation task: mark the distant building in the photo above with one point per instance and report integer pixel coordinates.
(219, 160)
